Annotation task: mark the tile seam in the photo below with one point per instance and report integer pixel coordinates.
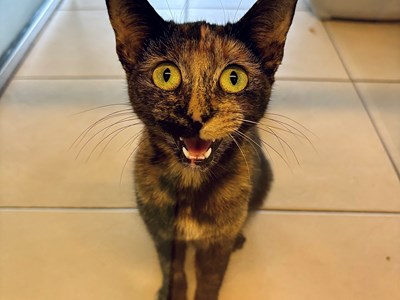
(134, 209)
(363, 102)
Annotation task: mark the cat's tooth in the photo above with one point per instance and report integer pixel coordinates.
(186, 152)
(208, 153)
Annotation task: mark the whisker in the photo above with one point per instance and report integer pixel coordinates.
(113, 135)
(100, 107)
(290, 119)
(131, 140)
(269, 126)
(248, 138)
(270, 130)
(130, 118)
(103, 137)
(250, 141)
(277, 152)
(280, 140)
(287, 125)
(100, 131)
(127, 160)
(170, 11)
(119, 113)
(280, 129)
(240, 149)
(237, 10)
(184, 8)
(223, 10)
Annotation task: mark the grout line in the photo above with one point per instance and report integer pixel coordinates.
(134, 209)
(82, 9)
(117, 77)
(72, 77)
(312, 79)
(66, 209)
(363, 102)
(331, 212)
(186, 11)
(388, 81)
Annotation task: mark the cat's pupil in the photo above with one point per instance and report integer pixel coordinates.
(233, 77)
(167, 74)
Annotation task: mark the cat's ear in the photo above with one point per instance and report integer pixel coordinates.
(134, 22)
(264, 28)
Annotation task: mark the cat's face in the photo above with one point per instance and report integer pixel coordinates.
(199, 87)
(194, 87)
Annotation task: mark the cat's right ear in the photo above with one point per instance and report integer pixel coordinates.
(134, 22)
(264, 28)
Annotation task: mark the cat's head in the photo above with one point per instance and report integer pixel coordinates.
(197, 86)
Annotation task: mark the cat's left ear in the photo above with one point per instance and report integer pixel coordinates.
(134, 22)
(264, 28)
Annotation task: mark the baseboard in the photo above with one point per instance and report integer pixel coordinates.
(17, 51)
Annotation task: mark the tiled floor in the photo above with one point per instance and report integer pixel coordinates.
(330, 228)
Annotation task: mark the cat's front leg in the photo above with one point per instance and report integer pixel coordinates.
(172, 260)
(211, 263)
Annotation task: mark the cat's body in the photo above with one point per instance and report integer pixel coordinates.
(199, 89)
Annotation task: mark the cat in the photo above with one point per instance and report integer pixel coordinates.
(199, 90)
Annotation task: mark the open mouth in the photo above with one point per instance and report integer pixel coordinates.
(197, 151)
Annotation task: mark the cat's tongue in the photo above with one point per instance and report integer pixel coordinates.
(197, 147)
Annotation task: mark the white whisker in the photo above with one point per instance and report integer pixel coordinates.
(127, 160)
(240, 149)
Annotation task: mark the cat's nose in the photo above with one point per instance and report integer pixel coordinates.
(198, 109)
(197, 126)
(196, 116)
(199, 118)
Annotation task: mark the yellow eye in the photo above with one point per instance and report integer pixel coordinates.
(167, 76)
(233, 79)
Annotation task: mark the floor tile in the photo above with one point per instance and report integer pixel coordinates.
(77, 44)
(286, 256)
(215, 16)
(302, 5)
(165, 4)
(309, 52)
(221, 4)
(383, 103)
(39, 124)
(370, 51)
(345, 169)
(316, 257)
(83, 4)
(339, 175)
(95, 253)
(100, 4)
(308, 46)
(176, 4)
(233, 4)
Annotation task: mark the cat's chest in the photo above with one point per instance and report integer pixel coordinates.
(195, 224)
(189, 227)
(205, 218)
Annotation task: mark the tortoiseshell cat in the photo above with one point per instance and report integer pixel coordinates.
(199, 89)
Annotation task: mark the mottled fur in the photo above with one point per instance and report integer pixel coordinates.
(205, 205)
